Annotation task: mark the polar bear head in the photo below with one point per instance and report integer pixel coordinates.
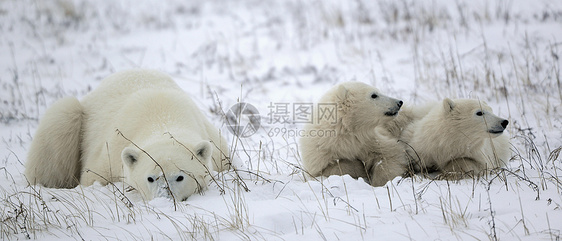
(473, 118)
(166, 169)
(361, 106)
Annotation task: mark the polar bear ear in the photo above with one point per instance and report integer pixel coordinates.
(448, 105)
(204, 150)
(130, 156)
(342, 92)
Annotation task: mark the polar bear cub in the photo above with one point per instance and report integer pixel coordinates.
(355, 148)
(138, 126)
(458, 136)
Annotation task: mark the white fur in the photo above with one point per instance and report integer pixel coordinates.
(148, 108)
(56, 146)
(356, 139)
(460, 135)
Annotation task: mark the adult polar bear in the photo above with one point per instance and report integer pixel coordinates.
(138, 126)
(358, 148)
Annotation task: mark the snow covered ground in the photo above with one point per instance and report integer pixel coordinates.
(276, 55)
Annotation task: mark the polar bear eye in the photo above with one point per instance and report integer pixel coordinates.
(150, 179)
(374, 96)
(479, 113)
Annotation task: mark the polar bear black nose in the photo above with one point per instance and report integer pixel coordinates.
(400, 103)
(179, 179)
(504, 123)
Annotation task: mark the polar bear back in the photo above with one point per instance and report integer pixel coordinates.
(124, 83)
(102, 105)
(163, 111)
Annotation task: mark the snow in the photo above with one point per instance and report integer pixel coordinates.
(267, 52)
